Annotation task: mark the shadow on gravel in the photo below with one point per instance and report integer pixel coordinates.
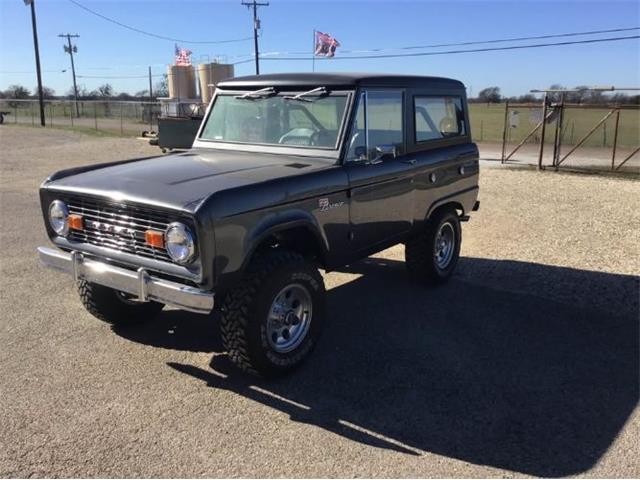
(479, 373)
(175, 330)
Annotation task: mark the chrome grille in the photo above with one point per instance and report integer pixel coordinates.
(118, 227)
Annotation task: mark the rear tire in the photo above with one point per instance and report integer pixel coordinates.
(272, 320)
(431, 256)
(115, 307)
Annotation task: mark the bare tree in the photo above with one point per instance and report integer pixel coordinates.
(105, 92)
(555, 96)
(490, 95)
(161, 88)
(17, 92)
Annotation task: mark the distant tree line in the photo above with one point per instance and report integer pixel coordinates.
(103, 92)
(582, 95)
(160, 89)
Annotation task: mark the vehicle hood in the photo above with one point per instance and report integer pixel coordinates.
(182, 181)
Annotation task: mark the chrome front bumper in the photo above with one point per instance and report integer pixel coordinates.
(138, 283)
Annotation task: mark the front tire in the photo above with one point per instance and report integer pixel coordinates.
(271, 322)
(114, 307)
(432, 256)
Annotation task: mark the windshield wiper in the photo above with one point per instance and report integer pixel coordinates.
(320, 91)
(263, 92)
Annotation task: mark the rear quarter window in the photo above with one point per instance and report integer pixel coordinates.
(438, 117)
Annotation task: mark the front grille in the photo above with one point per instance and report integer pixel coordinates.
(118, 227)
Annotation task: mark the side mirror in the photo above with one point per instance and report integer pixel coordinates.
(361, 152)
(385, 151)
(388, 150)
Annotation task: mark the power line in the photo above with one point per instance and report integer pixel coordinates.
(154, 35)
(500, 40)
(107, 77)
(476, 42)
(451, 52)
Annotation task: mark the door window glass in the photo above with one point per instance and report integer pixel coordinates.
(378, 121)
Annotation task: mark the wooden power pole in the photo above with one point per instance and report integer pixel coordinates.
(71, 49)
(256, 26)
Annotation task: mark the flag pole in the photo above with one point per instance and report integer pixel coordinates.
(313, 52)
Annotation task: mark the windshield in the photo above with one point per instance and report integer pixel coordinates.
(309, 119)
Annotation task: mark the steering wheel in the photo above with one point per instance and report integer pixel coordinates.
(298, 136)
(317, 135)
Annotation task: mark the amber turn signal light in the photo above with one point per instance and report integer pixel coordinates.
(154, 238)
(76, 222)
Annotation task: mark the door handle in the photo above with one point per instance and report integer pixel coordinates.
(413, 161)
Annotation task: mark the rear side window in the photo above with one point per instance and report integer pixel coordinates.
(438, 117)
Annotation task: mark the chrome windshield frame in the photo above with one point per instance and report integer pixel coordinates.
(306, 151)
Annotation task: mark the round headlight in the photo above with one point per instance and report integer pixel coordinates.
(59, 217)
(180, 243)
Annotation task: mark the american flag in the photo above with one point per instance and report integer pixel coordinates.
(183, 56)
(326, 45)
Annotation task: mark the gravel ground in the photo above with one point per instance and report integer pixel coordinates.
(526, 363)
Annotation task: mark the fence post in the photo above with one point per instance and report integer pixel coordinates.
(71, 115)
(557, 141)
(615, 140)
(542, 132)
(504, 130)
(604, 135)
(51, 114)
(33, 118)
(121, 114)
(15, 113)
(95, 114)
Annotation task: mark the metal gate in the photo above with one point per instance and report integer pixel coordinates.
(573, 136)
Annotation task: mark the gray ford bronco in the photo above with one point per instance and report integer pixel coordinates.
(288, 173)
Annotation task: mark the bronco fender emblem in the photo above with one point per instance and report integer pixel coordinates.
(325, 205)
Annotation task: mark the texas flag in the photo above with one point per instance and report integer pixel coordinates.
(325, 45)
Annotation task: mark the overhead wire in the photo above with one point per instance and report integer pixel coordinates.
(452, 52)
(155, 35)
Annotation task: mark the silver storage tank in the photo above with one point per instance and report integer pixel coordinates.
(211, 74)
(182, 81)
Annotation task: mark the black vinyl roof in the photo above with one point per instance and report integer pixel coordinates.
(351, 80)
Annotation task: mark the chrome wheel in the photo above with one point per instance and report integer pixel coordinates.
(289, 318)
(444, 245)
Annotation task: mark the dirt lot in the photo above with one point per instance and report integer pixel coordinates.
(526, 363)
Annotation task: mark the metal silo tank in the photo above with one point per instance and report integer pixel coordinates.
(211, 74)
(182, 81)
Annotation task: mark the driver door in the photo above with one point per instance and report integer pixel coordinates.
(381, 185)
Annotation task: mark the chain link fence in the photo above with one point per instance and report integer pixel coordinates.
(124, 118)
(595, 137)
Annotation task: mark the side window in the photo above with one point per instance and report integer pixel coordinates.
(378, 121)
(438, 117)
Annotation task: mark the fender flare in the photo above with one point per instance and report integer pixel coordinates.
(280, 222)
(449, 199)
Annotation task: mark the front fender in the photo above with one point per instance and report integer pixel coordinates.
(238, 237)
(281, 221)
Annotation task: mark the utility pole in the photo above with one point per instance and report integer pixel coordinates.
(37, 50)
(256, 27)
(71, 50)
